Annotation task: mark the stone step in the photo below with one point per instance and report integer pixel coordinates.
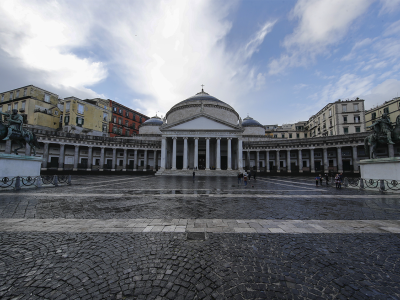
(231, 173)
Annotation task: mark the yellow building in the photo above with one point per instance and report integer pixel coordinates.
(39, 107)
(90, 116)
(391, 108)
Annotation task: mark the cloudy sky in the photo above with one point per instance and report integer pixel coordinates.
(278, 61)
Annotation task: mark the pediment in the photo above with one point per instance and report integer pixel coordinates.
(201, 123)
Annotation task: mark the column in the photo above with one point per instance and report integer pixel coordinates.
(229, 153)
(102, 159)
(277, 161)
(155, 160)
(90, 159)
(288, 165)
(27, 150)
(267, 160)
(45, 154)
(8, 149)
(125, 161)
(76, 158)
(174, 153)
(114, 159)
(312, 164)
(355, 161)
(163, 152)
(185, 153)
(135, 162)
(61, 158)
(207, 153)
(257, 161)
(391, 150)
(196, 153)
(339, 160)
(240, 154)
(145, 160)
(218, 153)
(326, 163)
(300, 162)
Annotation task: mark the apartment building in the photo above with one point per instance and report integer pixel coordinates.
(40, 108)
(391, 108)
(124, 121)
(89, 116)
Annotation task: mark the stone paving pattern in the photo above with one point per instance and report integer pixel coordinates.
(165, 265)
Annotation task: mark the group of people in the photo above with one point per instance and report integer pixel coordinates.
(338, 180)
(246, 177)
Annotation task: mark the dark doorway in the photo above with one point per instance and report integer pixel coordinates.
(109, 164)
(224, 162)
(179, 162)
(54, 162)
(202, 162)
(293, 167)
(271, 165)
(83, 164)
(346, 165)
(131, 164)
(317, 166)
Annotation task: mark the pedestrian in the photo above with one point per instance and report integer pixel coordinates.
(337, 180)
(249, 175)
(245, 178)
(327, 178)
(316, 181)
(254, 175)
(240, 178)
(320, 179)
(194, 174)
(340, 180)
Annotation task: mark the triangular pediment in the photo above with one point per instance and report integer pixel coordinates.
(201, 123)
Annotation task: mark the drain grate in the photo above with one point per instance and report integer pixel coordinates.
(196, 236)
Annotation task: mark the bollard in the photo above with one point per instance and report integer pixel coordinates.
(38, 181)
(382, 185)
(55, 180)
(362, 183)
(69, 180)
(17, 186)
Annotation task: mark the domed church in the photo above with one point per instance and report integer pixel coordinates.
(201, 133)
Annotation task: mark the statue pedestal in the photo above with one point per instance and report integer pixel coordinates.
(12, 165)
(381, 168)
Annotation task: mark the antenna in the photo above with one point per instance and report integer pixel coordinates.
(202, 87)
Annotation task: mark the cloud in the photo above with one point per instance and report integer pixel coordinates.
(40, 37)
(255, 42)
(320, 24)
(389, 6)
(384, 91)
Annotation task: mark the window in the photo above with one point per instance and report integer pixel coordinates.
(9, 107)
(119, 121)
(67, 104)
(127, 114)
(11, 93)
(373, 116)
(23, 105)
(356, 119)
(1, 108)
(25, 92)
(114, 109)
(344, 108)
(386, 110)
(105, 117)
(120, 111)
(17, 94)
(323, 116)
(290, 135)
(126, 123)
(16, 105)
(344, 119)
(66, 120)
(140, 120)
(2, 97)
(127, 132)
(115, 120)
(330, 112)
(358, 129)
(297, 135)
(283, 136)
(133, 125)
(346, 130)
(61, 118)
(275, 135)
(79, 121)
(114, 129)
(355, 107)
(47, 98)
(80, 109)
(305, 135)
(56, 112)
(104, 127)
(330, 123)
(134, 117)
(331, 132)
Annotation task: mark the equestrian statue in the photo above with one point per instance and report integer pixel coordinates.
(383, 133)
(14, 131)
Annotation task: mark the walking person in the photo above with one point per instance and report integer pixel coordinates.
(245, 178)
(316, 180)
(240, 178)
(255, 175)
(194, 174)
(327, 178)
(320, 179)
(249, 175)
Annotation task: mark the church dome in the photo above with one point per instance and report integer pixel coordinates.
(153, 121)
(250, 122)
(202, 103)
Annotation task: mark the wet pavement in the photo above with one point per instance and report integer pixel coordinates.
(125, 237)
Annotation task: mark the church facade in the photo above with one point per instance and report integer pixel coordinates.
(205, 134)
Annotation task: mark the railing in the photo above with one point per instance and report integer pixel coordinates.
(37, 181)
(379, 184)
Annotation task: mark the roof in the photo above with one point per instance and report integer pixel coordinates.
(201, 96)
(153, 121)
(250, 122)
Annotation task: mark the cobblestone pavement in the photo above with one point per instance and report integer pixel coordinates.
(49, 249)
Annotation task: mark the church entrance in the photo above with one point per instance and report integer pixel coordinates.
(202, 162)
(179, 162)
(224, 162)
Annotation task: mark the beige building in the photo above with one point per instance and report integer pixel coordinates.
(391, 108)
(39, 107)
(90, 116)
